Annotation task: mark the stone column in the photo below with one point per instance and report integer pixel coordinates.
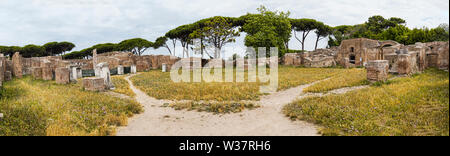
(403, 64)
(79, 73)
(120, 70)
(377, 70)
(73, 74)
(105, 74)
(164, 67)
(95, 63)
(2, 68)
(17, 65)
(133, 69)
(8, 76)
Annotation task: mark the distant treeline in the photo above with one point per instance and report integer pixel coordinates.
(49, 49)
(264, 29)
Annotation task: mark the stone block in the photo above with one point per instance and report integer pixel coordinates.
(74, 73)
(2, 68)
(94, 84)
(403, 64)
(377, 70)
(47, 73)
(120, 70)
(17, 65)
(142, 66)
(36, 73)
(79, 73)
(164, 67)
(133, 69)
(105, 73)
(62, 75)
(8, 76)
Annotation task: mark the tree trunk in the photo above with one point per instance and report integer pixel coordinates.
(317, 42)
(174, 42)
(303, 42)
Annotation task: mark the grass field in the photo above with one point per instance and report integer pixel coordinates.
(345, 78)
(417, 106)
(34, 107)
(159, 85)
(293, 76)
(214, 107)
(122, 85)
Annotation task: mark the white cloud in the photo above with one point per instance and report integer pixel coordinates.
(89, 22)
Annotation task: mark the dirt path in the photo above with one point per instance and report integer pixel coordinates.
(265, 121)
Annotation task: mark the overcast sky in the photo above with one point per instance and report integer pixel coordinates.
(89, 22)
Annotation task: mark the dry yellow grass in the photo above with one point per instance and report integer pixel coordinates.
(294, 76)
(34, 107)
(122, 86)
(215, 107)
(345, 78)
(416, 105)
(159, 85)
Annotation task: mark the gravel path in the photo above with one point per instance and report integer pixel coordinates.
(268, 120)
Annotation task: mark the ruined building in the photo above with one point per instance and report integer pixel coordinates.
(402, 59)
(315, 59)
(66, 71)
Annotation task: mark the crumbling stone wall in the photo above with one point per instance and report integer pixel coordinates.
(94, 84)
(17, 65)
(292, 59)
(420, 50)
(377, 70)
(316, 59)
(441, 51)
(2, 69)
(114, 59)
(143, 63)
(356, 51)
(62, 75)
(433, 60)
(127, 59)
(82, 63)
(191, 63)
(319, 58)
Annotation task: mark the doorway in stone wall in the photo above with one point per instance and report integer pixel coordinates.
(352, 59)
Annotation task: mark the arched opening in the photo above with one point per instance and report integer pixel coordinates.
(352, 49)
(352, 59)
(380, 53)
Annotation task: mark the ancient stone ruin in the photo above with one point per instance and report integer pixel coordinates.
(403, 60)
(66, 71)
(2, 69)
(94, 84)
(105, 74)
(17, 65)
(62, 75)
(377, 70)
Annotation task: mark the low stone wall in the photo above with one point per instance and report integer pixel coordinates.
(441, 49)
(94, 84)
(319, 62)
(377, 70)
(316, 59)
(292, 59)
